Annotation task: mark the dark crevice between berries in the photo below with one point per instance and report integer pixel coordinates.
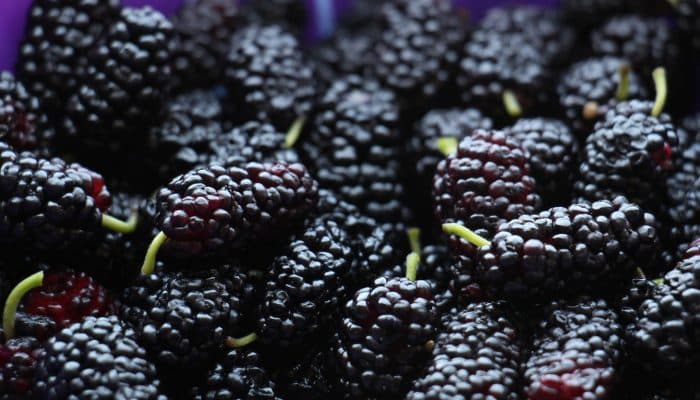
(10, 310)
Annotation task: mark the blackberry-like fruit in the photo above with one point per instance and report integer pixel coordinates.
(65, 298)
(476, 356)
(252, 141)
(645, 42)
(423, 151)
(215, 209)
(346, 52)
(484, 184)
(376, 247)
(240, 375)
(181, 141)
(417, 49)
(125, 85)
(117, 365)
(268, 76)
(23, 124)
(544, 28)
(354, 147)
(182, 318)
(682, 206)
(305, 285)
(662, 331)
(17, 360)
(53, 55)
(629, 154)
(384, 338)
(576, 352)
(552, 153)
(48, 204)
(204, 29)
(592, 86)
(503, 73)
(585, 248)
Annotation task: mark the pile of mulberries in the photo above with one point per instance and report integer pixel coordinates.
(418, 199)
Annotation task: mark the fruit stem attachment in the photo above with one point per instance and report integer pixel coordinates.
(512, 105)
(590, 110)
(117, 225)
(447, 145)
(659, 281)
(294, 132)
(661, 86)
(149, 263)
(242, 341)
(10, 310)
(414, 239)
(465, 233)
(623, 85)
(412, 261)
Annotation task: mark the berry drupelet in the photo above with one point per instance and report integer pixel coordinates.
(217, 209)
(629, 154)
(585, 248)
(476, 356)
(252, 141)
(98, 357)
(346, 52)
(484, 184)
(23, 124)
(305, 285)
(552, 153)
(182, 318)
(384, 338)
(238, 376)
(204, 29)
(268, 76)
(416, 51)
(576, 352)
(424, 152)
(49, 204)
(592, 86)
(354, 147)
(53, 55)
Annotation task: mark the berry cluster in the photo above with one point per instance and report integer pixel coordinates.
(211, 205)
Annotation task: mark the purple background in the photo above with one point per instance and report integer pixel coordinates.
(13, 15)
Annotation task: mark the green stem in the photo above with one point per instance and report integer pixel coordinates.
(117, 225)
(674, 3)
(623, 86)
(240, 342)
(414, 239)
(447, 145)
(510, 101)
(639, 273)
(149, 263)
(294, 132)
(661, 86)
(412, 261)
(465, 233)
(10, 310)
(659, 281)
